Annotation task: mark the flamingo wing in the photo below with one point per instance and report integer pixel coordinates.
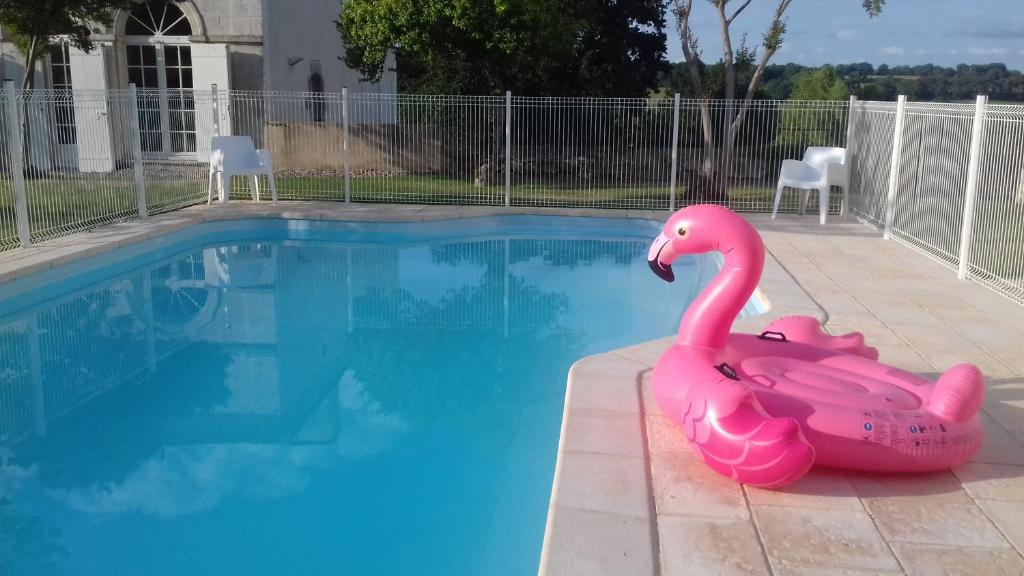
(735, 436)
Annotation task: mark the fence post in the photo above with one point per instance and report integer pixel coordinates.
(14, 142)
(215, 108)
(675, 154)
(894, 166)
(344, 144)
(133, 123)
(508, 149)
(850, 132)
(971, 194)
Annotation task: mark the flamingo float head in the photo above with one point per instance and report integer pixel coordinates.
(698, 229)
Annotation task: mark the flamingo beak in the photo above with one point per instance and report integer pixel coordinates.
(660, 258)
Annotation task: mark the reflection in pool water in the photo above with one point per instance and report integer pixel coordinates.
(309, 407)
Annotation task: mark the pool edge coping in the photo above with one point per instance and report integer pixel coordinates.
(38, 257)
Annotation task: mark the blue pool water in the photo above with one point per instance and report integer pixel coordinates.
(281, 397)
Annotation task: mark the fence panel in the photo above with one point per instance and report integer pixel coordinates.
(76, 164)
(874, 126)
(594, 152)
(997, 248)
(743, 175)
(929, 203)
(8, 222)
(175, 147)
(427, 149)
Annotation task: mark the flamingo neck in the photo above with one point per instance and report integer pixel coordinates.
(708, 320)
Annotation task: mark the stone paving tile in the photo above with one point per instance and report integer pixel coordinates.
(646, 353)
(819, 571)
(874, 335)
(1000, 446)
(934, 488)
(611, 384)
(814, 541)
(908, 314)
(587, 543)
(924, 521)
(663, 435)
(989, 366)
(1005, 390)
(821, 488)
(602, 432)
(1009, 414)
(906, 358)
(1009, 517)
(992, 481)
(925, 560)
(1008, 352)
(931, 338)
(684, 486)
(696, 546)
(602, 483)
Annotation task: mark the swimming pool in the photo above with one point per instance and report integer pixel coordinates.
(300, 397)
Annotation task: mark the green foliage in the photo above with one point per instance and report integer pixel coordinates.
(821, 84)
(926, 82)
(549, 47)
(874, 7)
(33, 23)
(799, 128)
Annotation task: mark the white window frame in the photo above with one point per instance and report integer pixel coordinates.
(159, 41)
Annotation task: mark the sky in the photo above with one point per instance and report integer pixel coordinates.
(944, 32)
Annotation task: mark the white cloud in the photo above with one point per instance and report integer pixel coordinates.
(891, 50)
(981, 51)
(184, 480)
(845, 34)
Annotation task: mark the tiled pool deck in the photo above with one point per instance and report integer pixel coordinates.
(630, 497)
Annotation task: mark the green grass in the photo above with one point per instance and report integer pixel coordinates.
(57, 205)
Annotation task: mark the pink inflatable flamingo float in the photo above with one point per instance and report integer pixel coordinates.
(763, 409)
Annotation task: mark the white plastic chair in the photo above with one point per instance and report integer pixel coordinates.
(821, 168)
(238, 156)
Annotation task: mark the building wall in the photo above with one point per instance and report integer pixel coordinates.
(12, 64)
(297, 36)
(273, 45)
(230, 18)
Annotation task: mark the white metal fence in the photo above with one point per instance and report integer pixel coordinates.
(945, 179)
(91, 157)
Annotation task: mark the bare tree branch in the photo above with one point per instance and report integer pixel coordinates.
(691, 51)
(739, 10)
(772, 43)
(728, 58)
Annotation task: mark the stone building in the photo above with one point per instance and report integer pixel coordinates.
(178, 51)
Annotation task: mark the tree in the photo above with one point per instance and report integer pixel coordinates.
(803, 127)
(34, 24)
(543, 47)
(712, 182)
(821, 84)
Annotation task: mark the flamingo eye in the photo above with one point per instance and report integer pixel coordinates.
(682, 231)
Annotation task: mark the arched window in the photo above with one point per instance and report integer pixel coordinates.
(159, 61)
(157, 19)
